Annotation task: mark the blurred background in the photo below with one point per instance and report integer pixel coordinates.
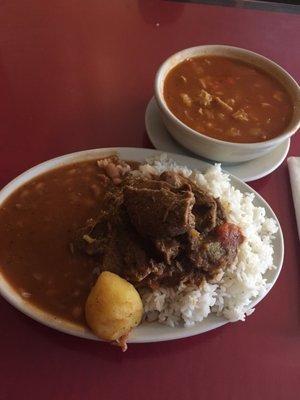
(270, 5)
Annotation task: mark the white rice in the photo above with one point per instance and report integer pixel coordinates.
(242, 282)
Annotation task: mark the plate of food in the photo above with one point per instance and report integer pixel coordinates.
(134, 245)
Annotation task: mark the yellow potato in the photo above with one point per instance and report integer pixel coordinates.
(113, 307)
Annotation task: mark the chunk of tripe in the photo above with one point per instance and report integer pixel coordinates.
(205, 98)
(113, 307)
(186, 99)
(241, 115)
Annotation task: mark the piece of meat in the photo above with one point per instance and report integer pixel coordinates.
(167, 248)
(159, 213)
(175, 179)
(113, 200)
(241, 115)
(112, 259)
(126, 255)
(178, 272)
(205, 211)
(160, 231)
(154, 184)
(92, 238)
(221, 215)
(205, 98)
(171, 275)
(205, 207)
(222, 103)
(191, 277)
(187, 101)
(152, 279)
(137, 264)
(193, 247)
(215, 251)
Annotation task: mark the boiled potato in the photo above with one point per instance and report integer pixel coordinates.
(113, 307)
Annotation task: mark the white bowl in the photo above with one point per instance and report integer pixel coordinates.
(215, 149)
(146, 332)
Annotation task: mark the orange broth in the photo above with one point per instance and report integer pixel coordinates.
(227, 99)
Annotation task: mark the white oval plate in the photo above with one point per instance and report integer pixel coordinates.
(247, 171)
(146, 332)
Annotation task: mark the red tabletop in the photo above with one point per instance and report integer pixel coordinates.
(76, 75)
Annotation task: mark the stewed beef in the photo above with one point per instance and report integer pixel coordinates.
(159, 213)
(160, 231)
(167, 248)
(207, 210)
(215, 251)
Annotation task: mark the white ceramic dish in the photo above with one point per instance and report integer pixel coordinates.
(247, 171)
(147, 332)
(215, 149)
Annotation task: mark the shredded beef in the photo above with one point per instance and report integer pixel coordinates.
(159, 213)
(207, 210)
(168, 248)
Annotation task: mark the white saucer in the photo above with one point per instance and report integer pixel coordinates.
(247, 171)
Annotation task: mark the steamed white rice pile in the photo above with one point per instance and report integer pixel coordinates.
(242, 282)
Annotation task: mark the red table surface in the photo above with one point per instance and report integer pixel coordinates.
(76, 75)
